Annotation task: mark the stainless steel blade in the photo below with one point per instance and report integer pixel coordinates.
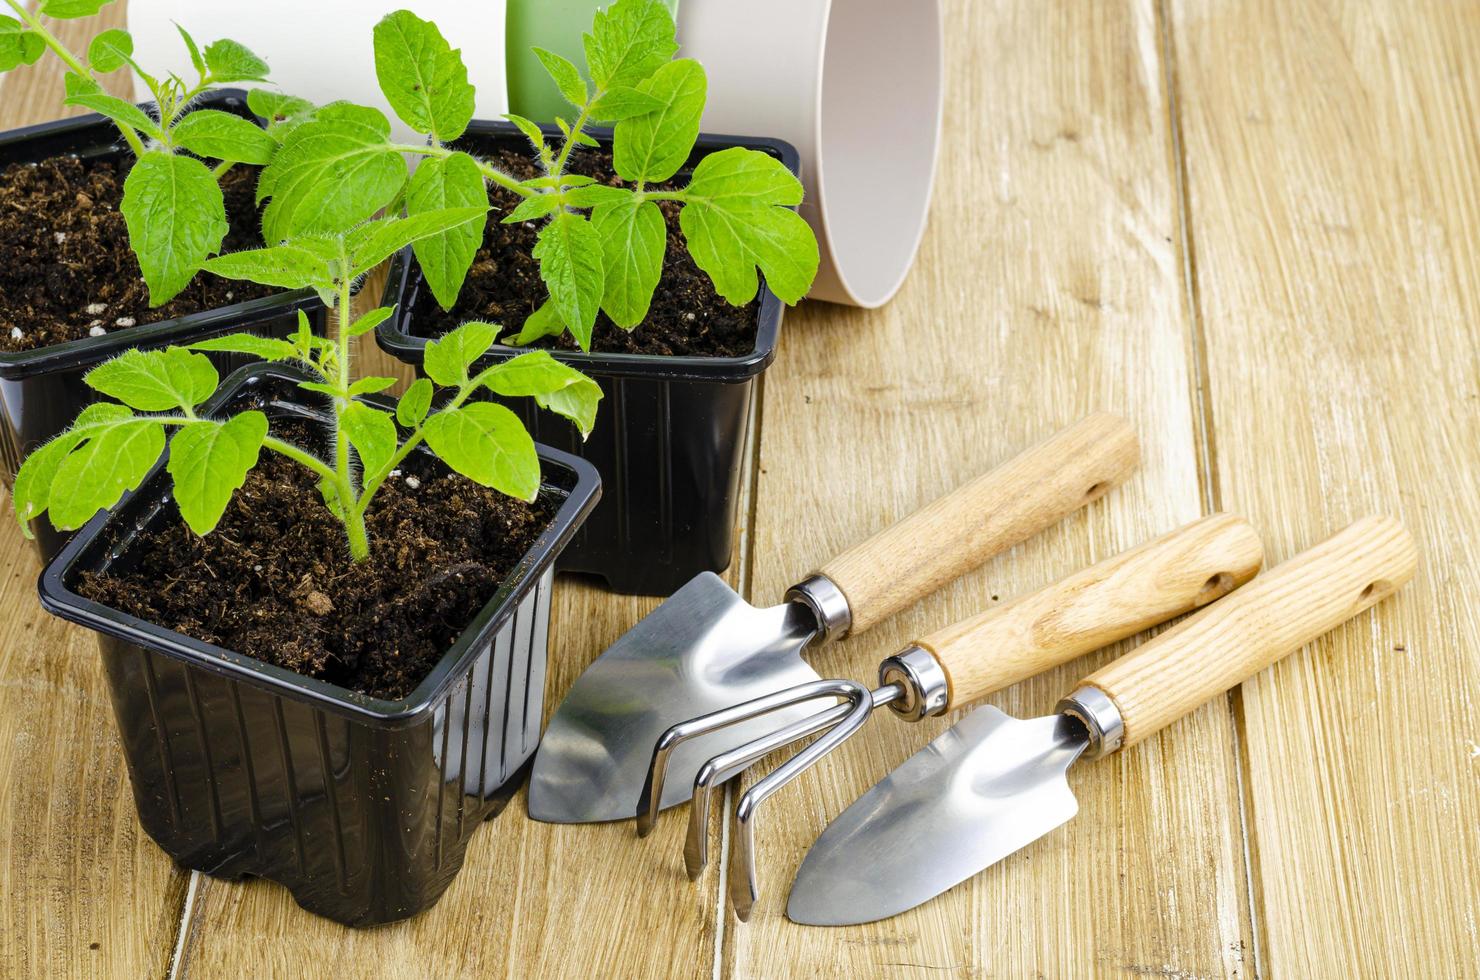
(703, 649)
(977, 793)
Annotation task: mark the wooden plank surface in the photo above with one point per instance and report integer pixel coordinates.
(1252, 228)
(1333, 164)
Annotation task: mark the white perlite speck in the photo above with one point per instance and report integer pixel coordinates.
(60, 236)
(93, 309)
(95, 331)
(412, 482)
(230, 294)
(15, 333)
(125, 321)
(394, 473)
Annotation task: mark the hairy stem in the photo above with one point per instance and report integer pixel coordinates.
(490, 173)
(301, 456)
(579, 126)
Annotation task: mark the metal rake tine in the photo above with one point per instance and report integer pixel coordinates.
(743, 888)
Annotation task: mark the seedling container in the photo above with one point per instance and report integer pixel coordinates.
(41, 390)
(670, 435)
(361, 807)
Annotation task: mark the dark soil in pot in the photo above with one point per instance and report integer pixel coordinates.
(274, 581)
(68, 266)
(687, 318)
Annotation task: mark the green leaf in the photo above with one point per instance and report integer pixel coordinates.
(110, 51)
(228, 61)
(447, 182)
(553, 385)
(223, 136)
(571, 261)
(567, 76)
(19, 45)
(195, 56)
(423, 78)
(633, 239)
(623, 103)
(331, 173)
(543, 322)
(531, 131)
(156, 380)
(370, 385)
(113, 455)
(597, 194)
(629, 41)
(448, 360)
(209, 461)
(737, 216)
(371, 320)
(487, 444)
(71, 9)
(176, 219)
(389, 235)
(530, 208)
(329, 490)
(89, 94)
(372, 433)
(276, 106)
(265, 348)
(415, 403)
(654, 146)
(297, 264)
(33, 482)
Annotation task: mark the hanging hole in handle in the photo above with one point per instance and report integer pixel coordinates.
(1215, 587)
(1096, 490)
(1375, 592)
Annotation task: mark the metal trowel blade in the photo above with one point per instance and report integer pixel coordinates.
(703, 649)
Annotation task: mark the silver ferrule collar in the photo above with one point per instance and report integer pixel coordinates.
(1100, 717)
(827, 602)
(920, 676)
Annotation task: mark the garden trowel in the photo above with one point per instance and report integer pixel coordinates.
(992, 784)
(705, 648)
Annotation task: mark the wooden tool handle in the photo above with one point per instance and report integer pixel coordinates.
(1108, 601)
(1279, 612)
(957, 533)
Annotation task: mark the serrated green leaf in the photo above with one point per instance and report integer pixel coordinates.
(71, 9)
(333, 390)
(596, 194)
(266, 348)
(114, 458)
(224, 136)
(156, 380)
(89, 94)
(19, 45)
(447, 182)
(176, 219)
(531, 131)
(414, 403)
(388, 236)
(487, 444)
(737, 216)
(567, 77)
(370, 385)
(653, 146)
(34, 480)
(291, 265)
(423, 78)
(629, 41)
(276, 106)
(530, 208)
(331, 173)
(195, 56)
(623, 103)
(553, 385)
(110, 51)
(448, 359)
(543, 322)
(571, 261)
(229, 61)
(209, 461)
(633, 239)
(372, 433)
(371, 320)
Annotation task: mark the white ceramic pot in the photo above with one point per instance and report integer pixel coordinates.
(855, 85)
(322, 50)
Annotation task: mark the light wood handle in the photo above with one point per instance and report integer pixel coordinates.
(960, 531)
(1236, 637)
(1108, 601)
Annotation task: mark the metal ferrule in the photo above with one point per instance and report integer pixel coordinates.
(920, 676)
(1094, 709)
(827, 602)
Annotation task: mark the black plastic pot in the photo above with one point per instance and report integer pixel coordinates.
(670, 435)
(41, 391)
(362, 807)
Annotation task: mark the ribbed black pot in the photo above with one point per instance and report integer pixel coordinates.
(361, 807)
(670, 435)
(41, 391)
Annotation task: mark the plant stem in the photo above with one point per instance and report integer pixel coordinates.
(570, 141)
(302, 456)
(221, 168)
(73, 62)
(490, 172)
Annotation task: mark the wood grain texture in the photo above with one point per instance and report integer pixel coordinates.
(1333, 194)
(1286, 608)
(1112, 600)
(1049, 286)
(983, 517)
